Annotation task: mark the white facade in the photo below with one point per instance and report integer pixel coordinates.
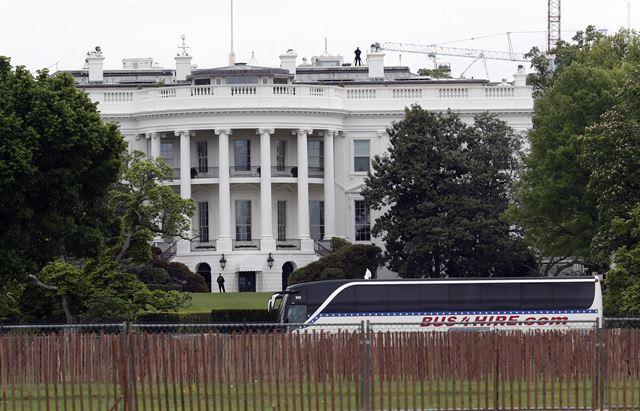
(313, 130)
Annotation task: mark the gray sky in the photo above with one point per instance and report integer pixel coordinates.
(40, 33)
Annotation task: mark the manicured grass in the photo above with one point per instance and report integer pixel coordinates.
(205, 302)
(311, 395)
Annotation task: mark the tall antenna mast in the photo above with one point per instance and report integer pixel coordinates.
(232, 55)
(553, 23)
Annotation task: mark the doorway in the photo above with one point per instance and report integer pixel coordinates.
(287, 269)
(204, 270)
(246, 281)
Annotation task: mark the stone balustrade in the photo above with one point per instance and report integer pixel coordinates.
(433, 96)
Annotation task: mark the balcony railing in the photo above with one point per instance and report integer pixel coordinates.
(288, 244)
(316, 172)
(284, 171)
(201, 172)
(203, 245)
(241, 171)
(246, 244)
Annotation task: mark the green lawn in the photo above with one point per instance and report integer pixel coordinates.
(205, 302)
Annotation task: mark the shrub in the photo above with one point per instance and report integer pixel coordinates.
(149, 274)
(175, 318)
(352, 260)
(337, 243)
(191, 282)
(240, 316)
(332, 273)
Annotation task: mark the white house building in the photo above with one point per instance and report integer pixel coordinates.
(275, 158)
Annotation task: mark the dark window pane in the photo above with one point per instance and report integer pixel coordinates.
(361, 164)
(500, 296)
(371, 298)
(343, 302)
(434, 297)
(537, 296)
(464, 297)
(573, 296)
(404, 298)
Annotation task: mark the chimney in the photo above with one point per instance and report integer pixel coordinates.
(288, 61)
(183, 67)
(375, 62)
(520, 77)
(95, 64)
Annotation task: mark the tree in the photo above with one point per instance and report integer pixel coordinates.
(438, 72)
(142, 206)
(58, 161)
(146, 207)
(557, 212)
(590, 47)
(612, 155)
(99, 290)
(622, 281)
(441, 189)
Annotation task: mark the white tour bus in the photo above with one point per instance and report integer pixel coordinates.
(443, 304)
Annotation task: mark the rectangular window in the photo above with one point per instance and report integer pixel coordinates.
(361, 155)
(166, 151)
(280, 154)
(363, 225)
(203, 221)
(242, 155)
(243, 220)
(203, 157)
(316, 219)
(282, 220)
(315, 152)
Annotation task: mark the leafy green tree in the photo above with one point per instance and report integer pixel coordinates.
(558, 213)
(555, 210)
(350, 261)
(442, 188)
(438, 72)
(147, 207)
(612, 156)
(622, 281)
(141, 207)
(590, 47)
(99, 290)
(58, 160)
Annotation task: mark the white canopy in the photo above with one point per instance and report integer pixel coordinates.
(250, 263)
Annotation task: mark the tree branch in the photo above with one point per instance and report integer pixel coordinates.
(39, 283)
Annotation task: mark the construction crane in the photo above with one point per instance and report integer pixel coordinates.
(451, 51)
(433, 50)
(553, 23)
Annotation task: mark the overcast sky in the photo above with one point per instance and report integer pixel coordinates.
(42, 33)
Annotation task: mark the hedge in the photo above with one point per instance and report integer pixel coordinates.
(352, 260)
(241, 316)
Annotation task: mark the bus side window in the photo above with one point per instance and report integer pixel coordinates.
(501, 296)
(463, 297)
(403, 298)
(344, 302)
(574, 296)
(537, 296)
(434, 297)
(371, 298)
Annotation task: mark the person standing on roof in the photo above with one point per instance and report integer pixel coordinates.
(358, 60)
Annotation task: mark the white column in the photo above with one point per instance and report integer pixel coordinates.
(223, 244)
(303, 191)
(184, 246)
(329, 189)
(155, 145)
(267, 242)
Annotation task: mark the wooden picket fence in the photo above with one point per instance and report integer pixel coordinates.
(587, 369)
